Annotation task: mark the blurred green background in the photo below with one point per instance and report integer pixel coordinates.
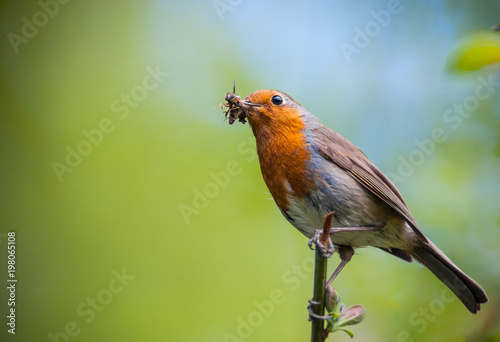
(141, 215)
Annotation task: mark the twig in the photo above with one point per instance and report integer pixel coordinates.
(320, 269)
(318, 325)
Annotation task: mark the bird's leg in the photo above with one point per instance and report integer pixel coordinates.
(325, 247)
(334, 230)
(346, 252)
(321, 238)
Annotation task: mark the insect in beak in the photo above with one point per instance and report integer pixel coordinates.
(236, 107)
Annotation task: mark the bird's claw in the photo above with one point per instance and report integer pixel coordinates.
(313, 240)
(326, 251)
(312, 315)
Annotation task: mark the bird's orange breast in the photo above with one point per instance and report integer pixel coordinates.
(283, 154)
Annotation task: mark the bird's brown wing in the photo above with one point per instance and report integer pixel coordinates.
(344, 154)
(340, 151)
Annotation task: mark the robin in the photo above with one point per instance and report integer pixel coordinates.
(313, 172)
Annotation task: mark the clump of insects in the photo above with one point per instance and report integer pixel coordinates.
(234, 111)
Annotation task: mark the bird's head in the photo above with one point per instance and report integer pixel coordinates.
(268, 110)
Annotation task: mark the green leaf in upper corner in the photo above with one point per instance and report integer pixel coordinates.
(474, 52)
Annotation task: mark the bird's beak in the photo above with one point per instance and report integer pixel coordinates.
(248, 104)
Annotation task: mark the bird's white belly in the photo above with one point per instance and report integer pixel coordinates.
(307, 218)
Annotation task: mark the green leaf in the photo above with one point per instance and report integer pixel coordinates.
(349, 332)
(474, 52)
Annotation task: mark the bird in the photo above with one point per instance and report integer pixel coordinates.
(313, 172)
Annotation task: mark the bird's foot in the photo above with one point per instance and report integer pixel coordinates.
(327, 249)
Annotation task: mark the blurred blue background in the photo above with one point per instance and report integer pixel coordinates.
(141, 215)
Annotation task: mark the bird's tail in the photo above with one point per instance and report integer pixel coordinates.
(464, 287)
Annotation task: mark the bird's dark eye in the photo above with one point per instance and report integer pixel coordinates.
(277, 100)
